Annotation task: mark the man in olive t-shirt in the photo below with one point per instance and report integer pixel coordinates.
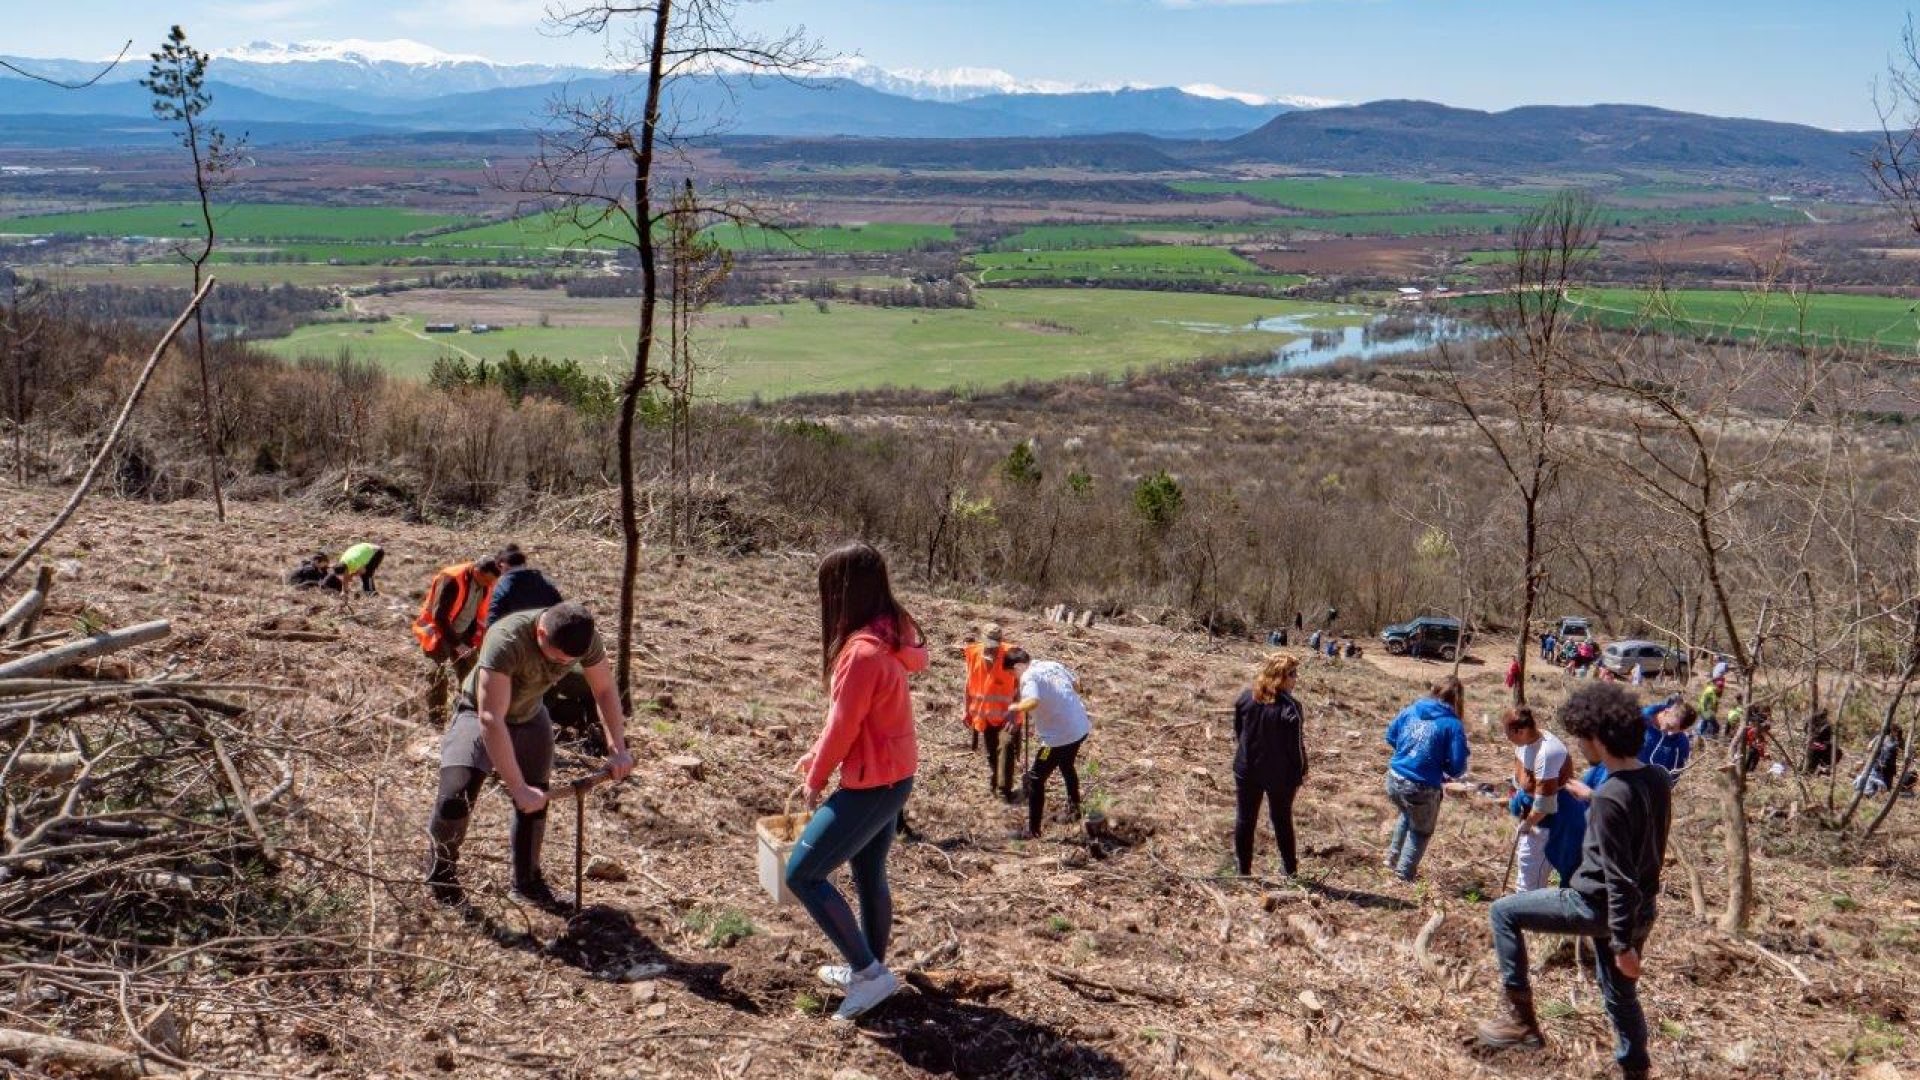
(501, 726)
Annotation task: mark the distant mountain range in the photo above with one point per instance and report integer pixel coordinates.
(406, 86)
(854, 112)
(1410, 136)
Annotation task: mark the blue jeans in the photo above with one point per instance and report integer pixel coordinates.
(1419, 806)
(854, 827)
(1562, 911)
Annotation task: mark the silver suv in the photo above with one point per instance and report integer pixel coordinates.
(1651, 657)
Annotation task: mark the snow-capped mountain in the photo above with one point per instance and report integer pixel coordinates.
(401, 70)
(347, 51)
(408, 85)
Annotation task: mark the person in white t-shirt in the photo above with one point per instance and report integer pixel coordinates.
(1049, 699)
(1540, 768)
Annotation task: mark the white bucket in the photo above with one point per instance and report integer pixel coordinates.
(775, 836)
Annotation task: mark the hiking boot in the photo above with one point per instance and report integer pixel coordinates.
(835, 976)
(1519, 1028)
(445, 886)
(536, 892)
(865, 990)
(1628, 1072)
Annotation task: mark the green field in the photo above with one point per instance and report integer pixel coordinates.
(1501, 221)
(239, 221)
(1068, 237)
(1361, 194)
(1165, 262)
(177, 275)
(551, 232)
(1830, 318)
(795, 348)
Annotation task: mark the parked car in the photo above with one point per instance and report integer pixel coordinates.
(1429, 635)
(1573, 626)
(1652, 658)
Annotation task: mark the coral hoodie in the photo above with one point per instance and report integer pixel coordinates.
(869, 732)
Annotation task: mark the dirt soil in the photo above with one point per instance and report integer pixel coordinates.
(1138, 956)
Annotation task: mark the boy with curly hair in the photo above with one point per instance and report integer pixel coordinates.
(1612, 895)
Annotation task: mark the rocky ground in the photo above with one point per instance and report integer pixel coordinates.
(1141, 955)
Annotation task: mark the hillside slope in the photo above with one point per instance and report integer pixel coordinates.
(1142, 961)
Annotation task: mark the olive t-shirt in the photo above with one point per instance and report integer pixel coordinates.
(512, 648)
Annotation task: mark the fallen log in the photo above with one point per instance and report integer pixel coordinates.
(965, 985)
(102, 644)
(26, 610)
(33, 1050)
(45, 770)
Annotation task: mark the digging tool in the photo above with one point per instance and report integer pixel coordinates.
(577, 791)
(1513, 853)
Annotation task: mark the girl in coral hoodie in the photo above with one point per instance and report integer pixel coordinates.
(869, 645)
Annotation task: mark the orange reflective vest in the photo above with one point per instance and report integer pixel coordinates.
(465, 623)
(991, 688)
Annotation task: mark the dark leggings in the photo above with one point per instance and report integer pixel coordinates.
(1246, 819)
(366, 576)
(1045, 761)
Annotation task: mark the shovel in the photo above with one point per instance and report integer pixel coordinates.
(577, 791)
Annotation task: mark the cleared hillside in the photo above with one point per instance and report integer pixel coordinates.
(1141, 958)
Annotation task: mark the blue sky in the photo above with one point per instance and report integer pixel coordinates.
(1811, 61)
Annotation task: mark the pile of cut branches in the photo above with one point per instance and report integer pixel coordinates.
(140, 885)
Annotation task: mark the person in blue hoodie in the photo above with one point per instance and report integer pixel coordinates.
(1429, 748)
(1669, 740)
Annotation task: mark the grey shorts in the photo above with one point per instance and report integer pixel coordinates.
(463, 748)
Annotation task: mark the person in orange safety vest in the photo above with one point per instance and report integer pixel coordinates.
(991, 689)
(452, 621)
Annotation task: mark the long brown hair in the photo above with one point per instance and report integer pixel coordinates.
(1273, 677)
(854, 594)
(1448, 691)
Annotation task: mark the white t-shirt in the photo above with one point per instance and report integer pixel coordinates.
(1543, 760)
(1061, 717)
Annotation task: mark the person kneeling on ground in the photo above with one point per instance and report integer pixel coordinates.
(501, 726)
(1269, 760)
(1541, 769)
(1429, 748)
(1613, 895)
(310, 573)
(869, 646)
(1050, 702)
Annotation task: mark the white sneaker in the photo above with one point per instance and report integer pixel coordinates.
(865, 990)
(835, 976)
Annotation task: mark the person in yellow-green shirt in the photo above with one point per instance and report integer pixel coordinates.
(358, 561)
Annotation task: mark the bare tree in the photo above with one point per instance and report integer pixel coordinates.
(698, 266)
(178, 81)
(1690, 445)
(1514, 390)
(63, 84)
(602, 160)
(23, 326)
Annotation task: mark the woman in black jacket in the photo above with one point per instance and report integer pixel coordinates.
(1269, 760)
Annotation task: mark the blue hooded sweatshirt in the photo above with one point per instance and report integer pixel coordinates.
(1670, 752)
(1429, 745)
